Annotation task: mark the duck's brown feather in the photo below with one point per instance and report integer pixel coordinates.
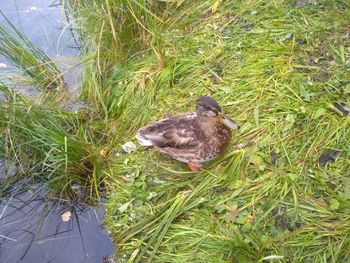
(177, 131)
(186, 138)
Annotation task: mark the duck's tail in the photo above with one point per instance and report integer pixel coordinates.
(143, 140)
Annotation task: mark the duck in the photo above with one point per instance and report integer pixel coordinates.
(194, 137)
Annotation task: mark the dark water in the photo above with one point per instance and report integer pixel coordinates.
(31, 226)
(32, 230)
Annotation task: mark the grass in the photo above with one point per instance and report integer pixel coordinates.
(50, 144)
(276, 67)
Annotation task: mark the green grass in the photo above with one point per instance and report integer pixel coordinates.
(52, 145)
(275, 68)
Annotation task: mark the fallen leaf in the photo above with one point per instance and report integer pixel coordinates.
(286, 37)
(125, 206)
(66, 216)
(129, 147)
(151, 195)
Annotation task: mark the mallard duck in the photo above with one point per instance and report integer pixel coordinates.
(193, 138)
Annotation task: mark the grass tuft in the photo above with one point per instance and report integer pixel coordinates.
(54, 146)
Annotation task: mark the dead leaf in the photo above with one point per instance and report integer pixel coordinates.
(129, 147)
(125, 206)
(66, 216)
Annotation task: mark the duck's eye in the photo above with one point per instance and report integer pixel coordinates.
(208, 108)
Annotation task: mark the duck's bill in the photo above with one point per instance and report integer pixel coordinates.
(228, 122)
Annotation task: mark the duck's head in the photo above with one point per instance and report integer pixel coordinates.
(208, 108)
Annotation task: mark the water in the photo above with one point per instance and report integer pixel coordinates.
(45, 24)
(31, 226)
(32, 230)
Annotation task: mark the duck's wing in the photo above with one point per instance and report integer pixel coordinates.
(181, 131)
